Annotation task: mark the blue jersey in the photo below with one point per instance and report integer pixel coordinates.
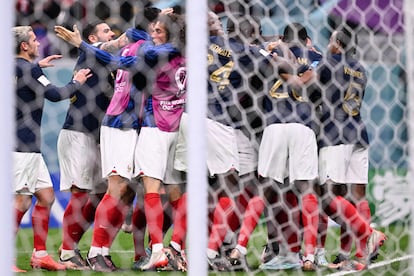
(343, 80)
(89, 103)
(32, 87)
(287, 105)
(237, 76)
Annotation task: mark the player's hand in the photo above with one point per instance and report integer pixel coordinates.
(74, 38)
(46, 61)
(272, 45)
(82, 75)
(122, 40)
(167, 11)
(315, 50)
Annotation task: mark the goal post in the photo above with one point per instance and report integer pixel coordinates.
(409, 40)
(7, 113)
(197, 186)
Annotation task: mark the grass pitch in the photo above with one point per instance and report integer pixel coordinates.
(394, 256)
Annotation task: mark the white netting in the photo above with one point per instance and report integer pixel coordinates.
(381, 50)
(380, 30)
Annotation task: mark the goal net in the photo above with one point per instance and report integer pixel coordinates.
(383, 49)
(379, 27)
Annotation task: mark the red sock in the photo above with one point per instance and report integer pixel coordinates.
(233, 220)
(154, 215)
(88, 211)
(170, 211)
(289, 221)
(272, 223)
(365, 212)
(138, 231)
(310, 218)
(73, 223)
(251, 216)
(18, 216)
(180, 221)
(243, 200)
(174, 205)
(40, 223)
(346, 237)
(346, 240)
(322, 230)
(117, 217)
(348, 215)
(224, 208)
(110, 214)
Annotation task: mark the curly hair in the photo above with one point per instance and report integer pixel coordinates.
(175, 27)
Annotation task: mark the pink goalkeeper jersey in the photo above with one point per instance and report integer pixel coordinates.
(123, 83)
(169, 94)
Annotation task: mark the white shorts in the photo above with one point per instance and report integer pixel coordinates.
(222, 152)
(344, 164)
(290, 147)
(156, 153)
(30, 173)
(247, 153)
(79, 161)
(118, 150)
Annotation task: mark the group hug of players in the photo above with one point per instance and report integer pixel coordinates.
(285, 139)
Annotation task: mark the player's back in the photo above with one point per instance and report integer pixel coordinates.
(343, 80)
(236, 77)
(285, 104)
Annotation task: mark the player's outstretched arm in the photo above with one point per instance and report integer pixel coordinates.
(167, 11)
(74, 38)
(105, 58)
(56, 94)
(46, 61)
(116, 44)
